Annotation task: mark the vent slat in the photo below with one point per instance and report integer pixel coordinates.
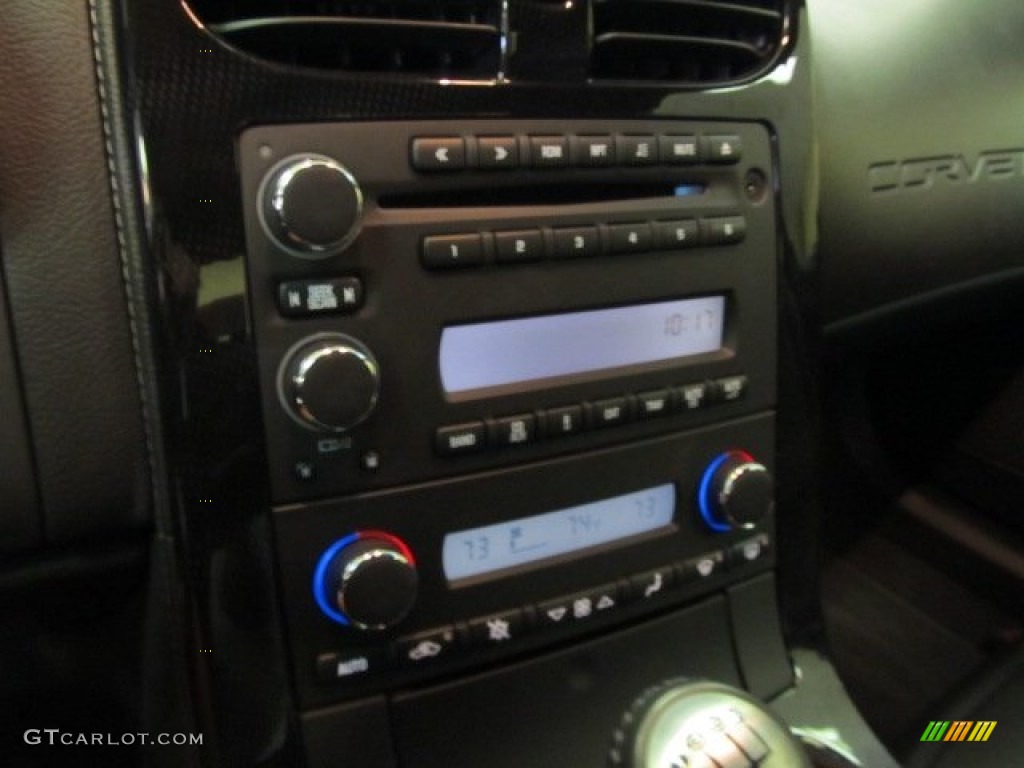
(450, 38)
(694, 42)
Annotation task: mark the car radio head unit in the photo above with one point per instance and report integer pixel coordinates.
(431, 299)
(517, 377)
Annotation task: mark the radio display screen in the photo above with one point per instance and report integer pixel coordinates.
(478, 552)
(483, 358)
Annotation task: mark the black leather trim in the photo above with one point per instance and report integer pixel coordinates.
(167, 703)
(60, 260)
(20, 526)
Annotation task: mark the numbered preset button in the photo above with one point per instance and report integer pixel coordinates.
(577, 241)
(526, 245)
(630, 238)
(453, 251)
(677, 234)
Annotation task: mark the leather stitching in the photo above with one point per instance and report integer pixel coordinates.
(122, 245)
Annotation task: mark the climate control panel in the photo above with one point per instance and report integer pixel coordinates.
(386, 588)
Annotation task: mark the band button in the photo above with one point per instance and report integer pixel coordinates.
(460, 439)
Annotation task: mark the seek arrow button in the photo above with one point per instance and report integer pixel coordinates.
(497, 152)
(441, 153)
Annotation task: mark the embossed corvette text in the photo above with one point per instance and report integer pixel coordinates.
(928, 172)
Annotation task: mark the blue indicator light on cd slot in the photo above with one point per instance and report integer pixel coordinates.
(689, 190)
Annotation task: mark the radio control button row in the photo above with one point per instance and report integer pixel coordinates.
(650, 585)
(653, 405)
(630, 238)
(498, 629)
(571, 242)
(679, 150)
(610, 413)
(439, 153)
(702, 567)
(672, 235)
(549, 151)
(637, 150)
(453, 251)
(307, 298)
(460, 439)
(723, 150)
(750, 550)
(425, 647)
(515, 430)
(497, 152)
(348, 665)
(564, 421)
(724, 230)
(526, 245)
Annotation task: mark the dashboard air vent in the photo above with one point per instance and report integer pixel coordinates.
(695, 42)
(459, 39)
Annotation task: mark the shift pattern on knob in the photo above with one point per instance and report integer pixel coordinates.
(684, 723)
(366, 580)
(311, 206)
(329, 382)
(736, 492)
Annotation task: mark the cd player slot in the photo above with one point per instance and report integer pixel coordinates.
(547, 194)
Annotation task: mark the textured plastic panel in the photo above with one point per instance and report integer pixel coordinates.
(922, 153)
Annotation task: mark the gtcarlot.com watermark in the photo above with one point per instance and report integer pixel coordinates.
(55, 736)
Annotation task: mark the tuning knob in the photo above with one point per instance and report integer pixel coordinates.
(311, 206)
(329, 382)
(366, 580)
(736, 492)
(699, 722)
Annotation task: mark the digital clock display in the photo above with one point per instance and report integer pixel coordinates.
(483, 359)
(533, 541)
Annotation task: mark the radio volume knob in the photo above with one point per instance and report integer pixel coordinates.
(367, 580)
(329, 382)
(311, 206)
(736, 492)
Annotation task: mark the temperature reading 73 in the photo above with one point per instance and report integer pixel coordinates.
(647, 507)
(679, 323)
